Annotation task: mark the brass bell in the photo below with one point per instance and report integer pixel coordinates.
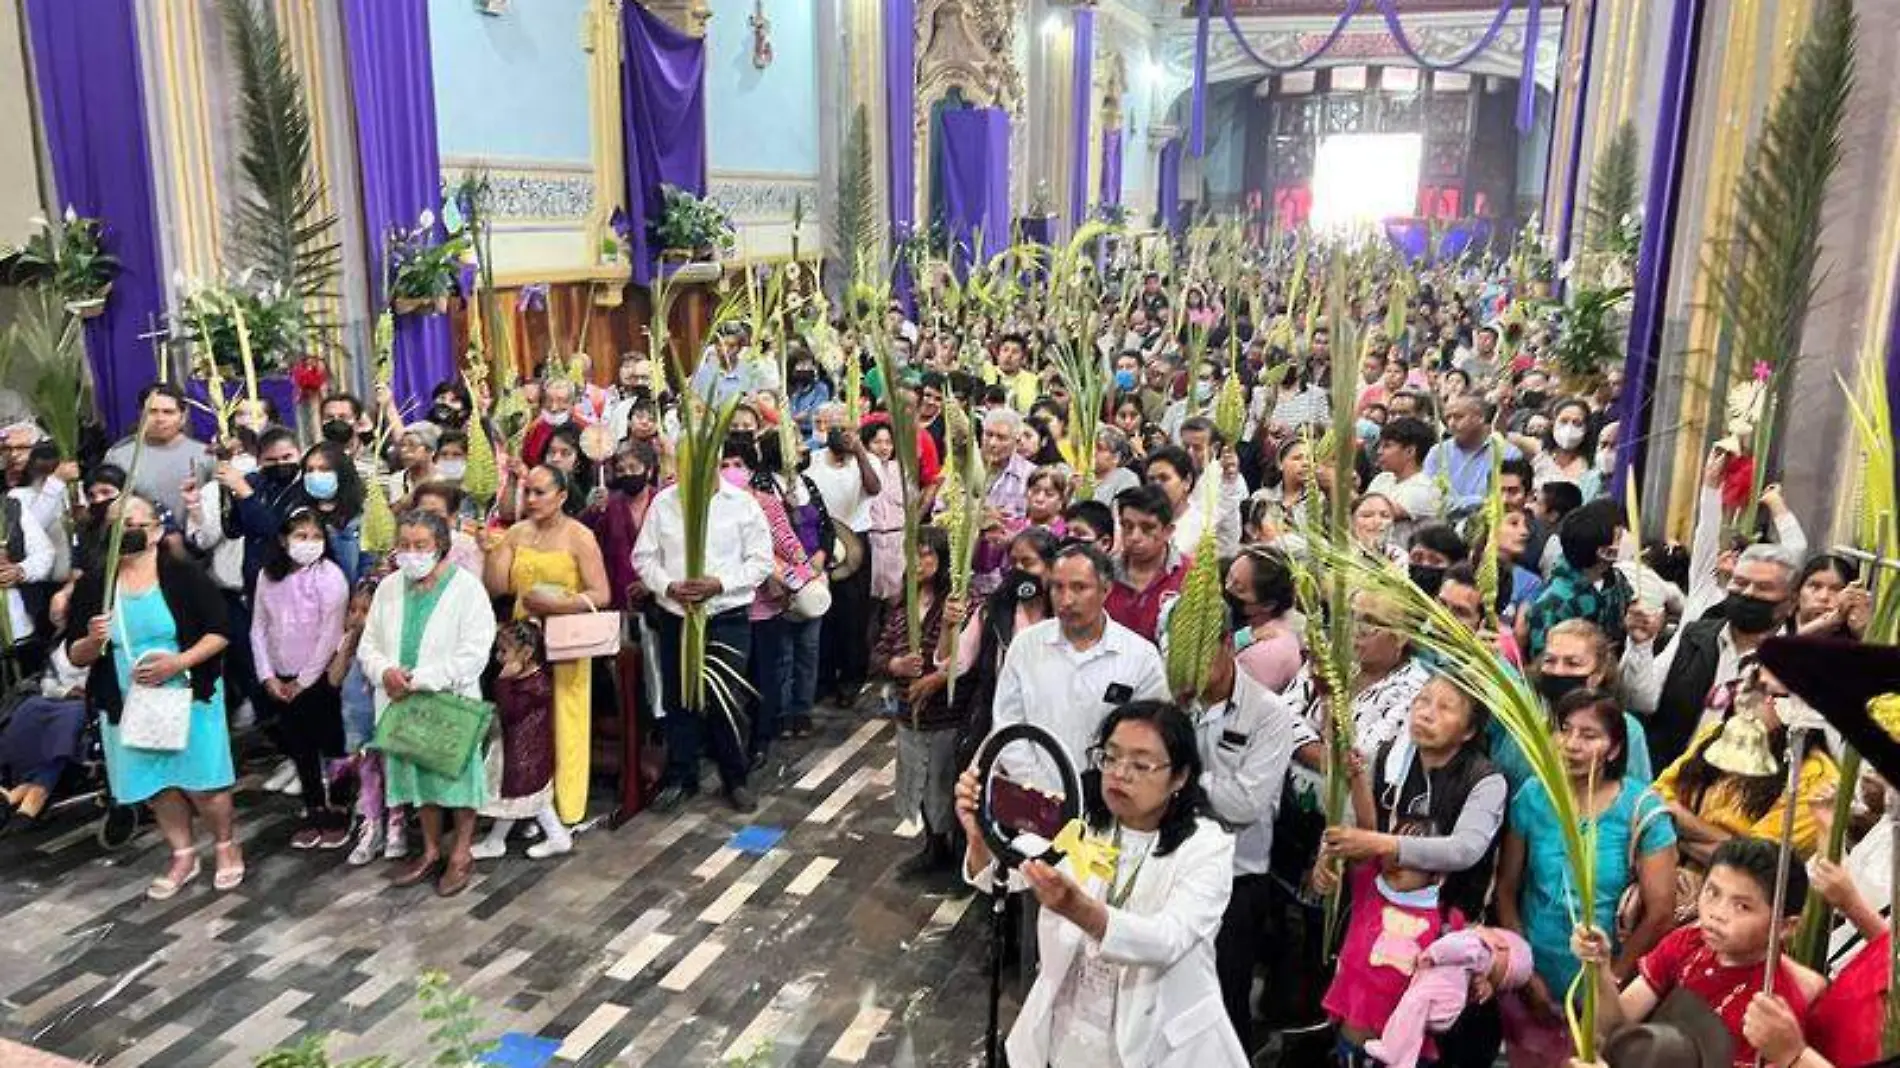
(1741, 748)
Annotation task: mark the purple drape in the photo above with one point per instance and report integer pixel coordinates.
(1197, 107)
(86, 56)
(1111, 167)
(663, 121)
(1411, 237)
(900, 104)
(975, 170)
(1662, 198)
(389, 60)
(1081, 113)
(1527, 78)
(1168, 186)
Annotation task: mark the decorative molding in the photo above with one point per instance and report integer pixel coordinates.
(1439, 36)
(765, 197)
(523, 195)
(687, 16)
(968, 45)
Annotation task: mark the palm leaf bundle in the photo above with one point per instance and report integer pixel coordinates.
(279, 224)
(1766, 260)
(1474, 666)
(115, 538)
(1490, 565)
(1194, 622)
(379, 521)
(961, 491)
(1614, 194)
(44, 345)
(910, 468)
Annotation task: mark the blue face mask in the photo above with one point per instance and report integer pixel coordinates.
(1367, 430)
(1124, 380)
(320, 485)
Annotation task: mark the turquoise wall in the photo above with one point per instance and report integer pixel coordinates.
(511, 86)
(763, 120)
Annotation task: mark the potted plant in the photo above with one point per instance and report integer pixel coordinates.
(425, 272)
(273, 319)
(70, 257)
(692, 227)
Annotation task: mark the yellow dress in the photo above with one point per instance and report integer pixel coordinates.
(573, 681)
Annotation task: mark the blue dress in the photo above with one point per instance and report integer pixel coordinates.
(142, 624)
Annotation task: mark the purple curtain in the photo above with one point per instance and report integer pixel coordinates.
(1411, 237)
(86, 55)
(1661, 200)
(1081, 97)
(975, 170)
(1111, 167)
(1168, 187)
(389, 59)
(1471, 233)
(900, 103)
(663, 120)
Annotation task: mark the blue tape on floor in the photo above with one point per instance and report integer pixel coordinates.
(756, 840)
(516, 1050)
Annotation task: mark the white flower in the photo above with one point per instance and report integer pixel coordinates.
(71, 215)
(1564, 268)
(426, 220)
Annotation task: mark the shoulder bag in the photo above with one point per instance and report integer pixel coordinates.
(583, 635)
(436, 732)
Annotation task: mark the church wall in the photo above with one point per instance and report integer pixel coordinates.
(764, 146)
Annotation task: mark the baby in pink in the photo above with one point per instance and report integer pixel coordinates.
(1493, 958)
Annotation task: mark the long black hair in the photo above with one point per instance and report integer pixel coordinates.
(1754, 795)
(581, 482)
(1184, 756)
(277, 562)
(348, 502)
(937, 540)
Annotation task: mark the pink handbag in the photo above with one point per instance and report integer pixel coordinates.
(583, 635)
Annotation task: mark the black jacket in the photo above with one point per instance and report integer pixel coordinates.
(197, 609)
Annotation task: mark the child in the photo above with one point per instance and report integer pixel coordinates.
(1490, 958)
(1045, 496)
(1721, 958)
(1090, 521)
(927, 725)
(521, 768)
(380, 831)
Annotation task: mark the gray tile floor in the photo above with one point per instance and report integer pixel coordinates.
(657, 944)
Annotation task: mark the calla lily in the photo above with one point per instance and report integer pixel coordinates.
(71, 215)
(427, 219)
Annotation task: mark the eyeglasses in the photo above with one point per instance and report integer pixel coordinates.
(1114, 764)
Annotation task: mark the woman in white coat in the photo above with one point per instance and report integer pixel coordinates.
(1128, 978)
(429, 630)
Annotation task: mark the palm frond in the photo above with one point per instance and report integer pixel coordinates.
(1768, 253)
(278, 224)
(1614, 194)
(45, 349)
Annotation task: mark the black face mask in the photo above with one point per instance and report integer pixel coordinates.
(1530, 400)
(447, 415)
(1022, 585)
(338, 431)
(1426, 577)
(803, 378)
(133, 541)
(631, 485)
(1237, 609)
(1750, 615)
(279, 474)
(1556, 687)
(835, 440)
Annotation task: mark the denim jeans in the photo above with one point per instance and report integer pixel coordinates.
(798, 667)
(769, 671)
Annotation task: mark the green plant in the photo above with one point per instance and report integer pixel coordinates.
(857, 199)
(1766, 257)
(44, 347)
(422, 268)
(1588, 334)
(70, 256)
(449, 1011)
(278, 226)
(692, 224)
(1611, 215)
(272, 316)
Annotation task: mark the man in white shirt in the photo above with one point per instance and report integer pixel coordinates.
(1416, 500)
(1066, 674)
(738, 561)
(847, 480)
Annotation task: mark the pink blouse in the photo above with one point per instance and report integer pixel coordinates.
(297, 622)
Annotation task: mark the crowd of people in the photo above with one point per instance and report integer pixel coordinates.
(244, 580)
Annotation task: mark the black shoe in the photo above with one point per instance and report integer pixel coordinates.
(932, 861)
(801, 726)
(672, 798)
(742, 801)
(756, 763)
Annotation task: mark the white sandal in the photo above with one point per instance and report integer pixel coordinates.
(164, 888)
(227, 878)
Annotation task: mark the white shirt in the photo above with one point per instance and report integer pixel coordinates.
(1047, 682)
(1192, 523)
(1246, 743)
(1417, 496)
(1645, 670)
(842, 489)
(204, 529)
(46, 505)
(738, 548)
(36, 567)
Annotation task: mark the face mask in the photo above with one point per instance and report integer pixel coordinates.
(244, 463)
(133, 541)
(1124, 380)
(279, 474)
(446, 415)
(305, 553)
(415, 566)
(631, 485)
(1750, 615)
(736, 477)
(1556, 687)
(320, 485)
(1022, 585)
(556, 418)
(1530, 400)
(1237, 612)
(1567, 435)
(1203, 390)
(1367, 430)
(1606, 460)
(338, 431)
(453, 470)
(802, 379)
(1426, 577)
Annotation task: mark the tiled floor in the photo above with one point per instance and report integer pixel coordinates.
(668, 942)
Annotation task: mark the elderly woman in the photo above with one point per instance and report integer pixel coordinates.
(167, 627)
(415, 451)
(553, 567)
(1113, 453)
(429, 630)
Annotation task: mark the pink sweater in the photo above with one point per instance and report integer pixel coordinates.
(297, 623)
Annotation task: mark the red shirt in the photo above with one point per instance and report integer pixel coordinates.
(1684, 959)
(1140, 610)
(1844, 1023)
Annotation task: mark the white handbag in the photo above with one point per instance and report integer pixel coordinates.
(156, 718)
(812, 600)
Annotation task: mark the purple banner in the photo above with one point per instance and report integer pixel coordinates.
(662, 120)
(1527, 78)
(1197, 116)
(1111, 168)
(1168, 186)
(1081, 113)
(394, 97)
(900, 104)
(86, 57)
(1661, 200)
(975, 168)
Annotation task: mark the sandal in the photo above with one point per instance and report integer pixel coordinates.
(228, 876)
(417, 871)
(455, 879)
(164, 888)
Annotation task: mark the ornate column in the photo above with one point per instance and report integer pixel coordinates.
(185, 159)
(688, 16)
(600, 40)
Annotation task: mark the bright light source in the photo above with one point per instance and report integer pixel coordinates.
(1360, 180)
(1156, 72)
(1051, 24)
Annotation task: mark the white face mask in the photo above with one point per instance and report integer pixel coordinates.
(556, 418)
(415, 566)
(305, 553)
(1567, 435)
(244, 463)
(1606, 459)
(453, 470)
